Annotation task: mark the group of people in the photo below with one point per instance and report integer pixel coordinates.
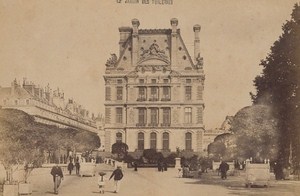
(71, 167)
(162, 166)
(57, 172)
(58, 176)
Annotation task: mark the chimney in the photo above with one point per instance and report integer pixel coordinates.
(174, 24)
(135, 38)
(124, 34)
(197, 29)
(13, 87)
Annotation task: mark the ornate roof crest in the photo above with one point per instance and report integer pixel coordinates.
(154, 53)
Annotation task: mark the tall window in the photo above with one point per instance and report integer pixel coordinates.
(107, 93)
(166, 116)
(153, 140)
(119, 93)
(154, 116)
(118, 137)
(142, 94)
(188, 141)
(154, 93)
(140, 141)
(188, 93)
(166, 93)
(119, 115)
(142, 116)
(187, 115)
(165, 141)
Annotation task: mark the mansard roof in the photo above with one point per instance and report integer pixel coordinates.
(144, 47)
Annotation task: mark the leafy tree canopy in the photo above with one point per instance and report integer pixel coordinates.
(278, 86)
(256, 134)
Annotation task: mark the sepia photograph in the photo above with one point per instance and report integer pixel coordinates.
(150, 97)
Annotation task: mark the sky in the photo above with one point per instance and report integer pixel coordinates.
(66, 43)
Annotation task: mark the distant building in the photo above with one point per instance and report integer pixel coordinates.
(47, 106)
(210, 135)
(154, 91)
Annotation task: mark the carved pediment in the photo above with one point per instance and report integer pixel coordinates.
(154, 55)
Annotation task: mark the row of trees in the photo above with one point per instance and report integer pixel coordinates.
(24, 141)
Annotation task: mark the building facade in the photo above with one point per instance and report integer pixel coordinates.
(47, 106)
(154, 91)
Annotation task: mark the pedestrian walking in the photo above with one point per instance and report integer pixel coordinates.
(224, 167)
(135, 166)
(70, 167)
(77, 167)
(57, 174)
(118, 175)
(165, 166)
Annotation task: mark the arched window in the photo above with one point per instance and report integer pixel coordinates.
(140, 141)
(165, 141)
(188, 141)
(153, 140)
(118, 137)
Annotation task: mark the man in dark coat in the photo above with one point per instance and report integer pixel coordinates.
(57, 174)
(77, 167)
(118, 175)
(70, 167)
(224, 167)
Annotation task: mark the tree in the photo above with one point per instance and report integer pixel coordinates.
(278, 86)
(119, 148)
(254, 128)
(24, 141)
(18, 141)
(223, 147)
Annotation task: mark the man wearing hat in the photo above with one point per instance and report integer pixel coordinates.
(118, 175)
(57, 174)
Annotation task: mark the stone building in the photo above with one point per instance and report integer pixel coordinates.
(154, 91)
(210, 135)
(47, 106)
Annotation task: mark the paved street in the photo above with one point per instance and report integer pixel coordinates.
(151, 182)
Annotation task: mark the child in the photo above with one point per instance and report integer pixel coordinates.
(101, 182)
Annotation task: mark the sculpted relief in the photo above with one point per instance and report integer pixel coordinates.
(112, 61)
(154, 52)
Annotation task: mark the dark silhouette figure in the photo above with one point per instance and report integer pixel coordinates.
(57, 174)
(70, 167)
(224, 167)
(135, 166)
(278, 171)
(77, 167)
